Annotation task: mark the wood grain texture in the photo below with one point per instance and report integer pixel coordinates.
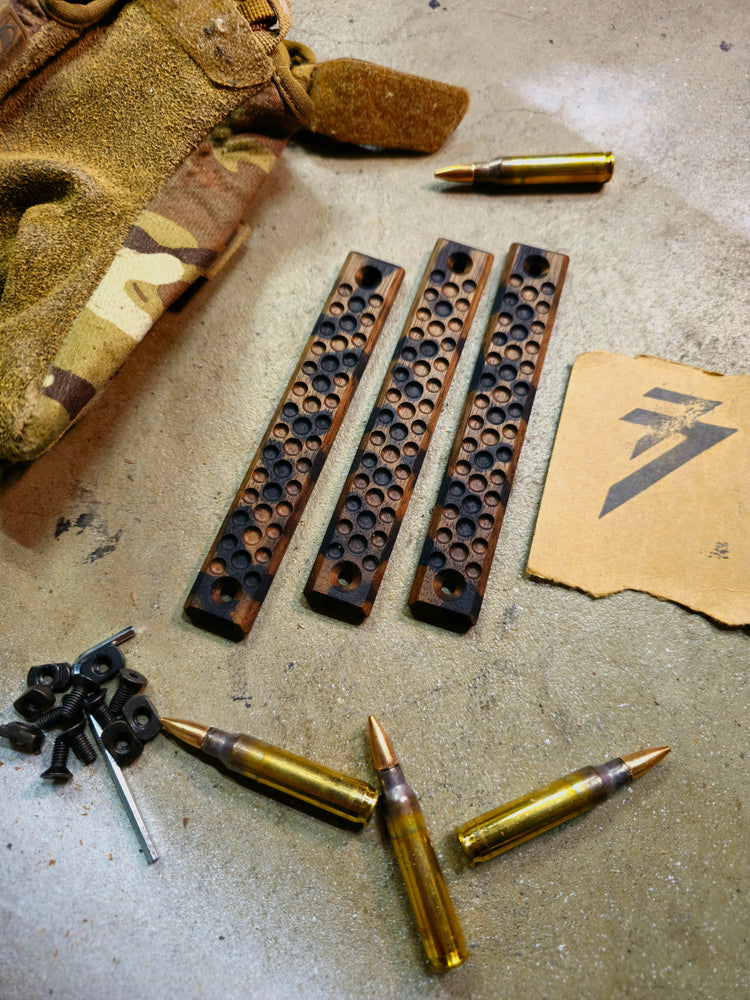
(242, 562)
(450, 582)
(354, 553)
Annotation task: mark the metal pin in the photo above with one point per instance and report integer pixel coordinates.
(114, 640)
(136, 820)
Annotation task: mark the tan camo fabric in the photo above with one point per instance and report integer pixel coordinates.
(130, 150)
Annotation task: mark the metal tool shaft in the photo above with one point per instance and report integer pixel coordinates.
(131, 808)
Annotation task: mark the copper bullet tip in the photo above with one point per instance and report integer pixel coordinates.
(191, 733)
(383, 753)
(643, 760)
(463, 173)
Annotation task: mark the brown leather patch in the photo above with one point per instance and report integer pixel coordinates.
(12, 34)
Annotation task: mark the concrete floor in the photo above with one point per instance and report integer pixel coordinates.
(645, 896)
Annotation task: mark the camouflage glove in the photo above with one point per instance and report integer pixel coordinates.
(133, 137)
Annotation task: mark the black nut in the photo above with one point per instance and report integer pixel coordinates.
(34, 702)
(142, 717)
(122, 743)
(54, 675)
(23, 736)
(101, 665)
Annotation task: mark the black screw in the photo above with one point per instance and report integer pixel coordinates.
(79, 743)
(58, 769)
(96, 706)
(71, 708)
(131, 683)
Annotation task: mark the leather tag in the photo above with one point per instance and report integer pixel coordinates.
(13, 35)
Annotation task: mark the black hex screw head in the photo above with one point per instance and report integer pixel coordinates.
(122, 743)
(55, 675)
(131, 683)
(101, 665)
(34, 702)
(142, 717)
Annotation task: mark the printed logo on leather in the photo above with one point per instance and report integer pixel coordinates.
(12, 34)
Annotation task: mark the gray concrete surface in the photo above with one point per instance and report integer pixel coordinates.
(646, 896)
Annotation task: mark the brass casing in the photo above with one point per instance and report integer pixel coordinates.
(566, 168)
(313, 783)
(436, 918)
(509, 825)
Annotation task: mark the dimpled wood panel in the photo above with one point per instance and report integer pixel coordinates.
(452, 575)
(354, 554)
(243, 560)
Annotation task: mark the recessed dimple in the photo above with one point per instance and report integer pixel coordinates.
(311, 404)
(366, 520)
(406, 411)
(413, 390)
(465, 527)
(436, 560)
(443, 308)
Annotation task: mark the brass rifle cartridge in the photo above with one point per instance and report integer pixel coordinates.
(565, 168)
(303, 779)
(497, 831)
(438, 924)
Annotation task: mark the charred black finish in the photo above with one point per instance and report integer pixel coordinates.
(354, 554)
(247, 552)
(449, 586)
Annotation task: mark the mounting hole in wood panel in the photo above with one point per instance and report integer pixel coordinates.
(449, 583)
(226, 590)
(368, 276)
(345, 576)
(535, 265)
(459, 262)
